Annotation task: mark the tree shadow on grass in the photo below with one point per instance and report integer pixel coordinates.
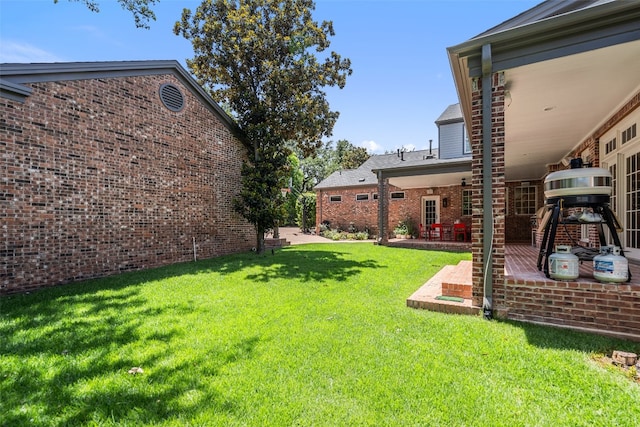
(311, 266)
(65, 360)
(68, 348)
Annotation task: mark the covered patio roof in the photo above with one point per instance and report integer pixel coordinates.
(421, 175)
(566, 66)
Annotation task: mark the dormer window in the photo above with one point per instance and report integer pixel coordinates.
(466, 142)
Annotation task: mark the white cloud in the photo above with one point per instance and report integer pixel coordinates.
(11, 51)
(372, 147)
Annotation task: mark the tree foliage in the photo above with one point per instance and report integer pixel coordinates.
(348, 156)
(259, 58)
(307, 172)
(326, 160)
(141, 9)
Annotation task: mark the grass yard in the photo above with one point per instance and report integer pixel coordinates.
(313, 335)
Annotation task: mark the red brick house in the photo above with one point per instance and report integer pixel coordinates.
(352, 196)
(556, 82)
(112, 166)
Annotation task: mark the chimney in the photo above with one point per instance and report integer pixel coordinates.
(430, 141)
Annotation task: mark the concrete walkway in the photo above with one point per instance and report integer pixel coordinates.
(297, 237)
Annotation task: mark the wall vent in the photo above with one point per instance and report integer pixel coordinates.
(171, 97)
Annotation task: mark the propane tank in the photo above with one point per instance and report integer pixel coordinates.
(563, 265)
(610, 266)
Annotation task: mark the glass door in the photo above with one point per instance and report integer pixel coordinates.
(632, 212)
(430, 210)
(620, 154)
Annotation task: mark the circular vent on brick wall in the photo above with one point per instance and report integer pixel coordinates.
(171, 97)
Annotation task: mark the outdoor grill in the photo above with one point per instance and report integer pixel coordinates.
(580, 185)
(577, 187)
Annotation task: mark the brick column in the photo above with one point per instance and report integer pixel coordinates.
(383, 209)
(498, 192)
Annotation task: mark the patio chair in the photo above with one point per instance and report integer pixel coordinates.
(423, 232)
(460, 230)
(436, 232)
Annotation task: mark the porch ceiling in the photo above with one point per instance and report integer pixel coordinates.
(552, 106)
(426, 181)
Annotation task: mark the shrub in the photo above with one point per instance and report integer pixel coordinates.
(343, 235)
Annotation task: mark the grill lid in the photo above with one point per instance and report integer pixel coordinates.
(578, 182)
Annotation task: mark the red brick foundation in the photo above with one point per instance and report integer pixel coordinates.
(598, 307)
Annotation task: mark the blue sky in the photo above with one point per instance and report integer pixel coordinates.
(401, 79)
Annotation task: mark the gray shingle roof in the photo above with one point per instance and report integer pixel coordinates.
(363, 176)
(452, 114)
(544, 10)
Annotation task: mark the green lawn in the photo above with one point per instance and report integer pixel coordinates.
(315, 335)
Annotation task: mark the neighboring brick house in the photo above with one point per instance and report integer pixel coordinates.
(555, 82)
(351, 196)
(112, 166)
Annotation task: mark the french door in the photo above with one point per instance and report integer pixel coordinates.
(430, 210)
(620, 154)
(632, 203)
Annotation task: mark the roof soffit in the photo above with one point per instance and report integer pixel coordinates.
(579, 31)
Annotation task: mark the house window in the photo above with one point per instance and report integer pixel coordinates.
(466, 142)
(375, 196)
(335, 198)
(506, 201)
(628, 134)
(610, 146)
(397, 195)
(362, 197)
(525, 200)
(466, 202)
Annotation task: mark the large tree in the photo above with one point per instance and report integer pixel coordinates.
(348, 156)
(259, 58)
(140, 9)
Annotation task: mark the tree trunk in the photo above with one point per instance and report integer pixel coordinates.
(304, 215)
(259, 240)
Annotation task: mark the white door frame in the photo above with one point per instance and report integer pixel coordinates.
(423, 213)
(618, 157)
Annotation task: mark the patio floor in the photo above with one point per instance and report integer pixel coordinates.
(520, 263)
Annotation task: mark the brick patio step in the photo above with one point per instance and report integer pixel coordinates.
(457, 281)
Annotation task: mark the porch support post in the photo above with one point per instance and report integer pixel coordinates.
(487, 187)
(383, 212)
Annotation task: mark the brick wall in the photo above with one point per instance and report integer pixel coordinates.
(365, 213)
(595, 306)
(98, 177)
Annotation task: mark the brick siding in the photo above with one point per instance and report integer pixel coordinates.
(365, 213)
(98, 177)
(594, 306)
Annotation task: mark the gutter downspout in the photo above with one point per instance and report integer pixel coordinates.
(487, 184)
